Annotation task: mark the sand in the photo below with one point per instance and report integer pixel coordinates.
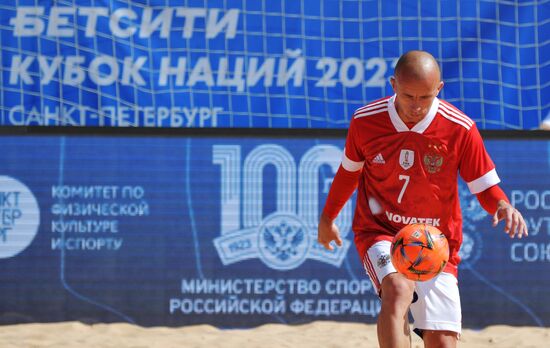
(325, 334)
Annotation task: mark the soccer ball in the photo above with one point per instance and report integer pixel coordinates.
(419, 252)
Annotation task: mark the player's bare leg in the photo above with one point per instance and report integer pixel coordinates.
(393, 324)
(439, 339)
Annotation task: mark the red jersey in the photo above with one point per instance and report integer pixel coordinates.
(410, 175)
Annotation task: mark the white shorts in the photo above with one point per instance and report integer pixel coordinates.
(438, 304)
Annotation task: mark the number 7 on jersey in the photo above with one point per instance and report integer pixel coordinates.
(406, 178)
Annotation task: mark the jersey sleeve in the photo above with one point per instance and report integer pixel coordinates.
(343, 185)
(489, 198)
(476, 167)
(352, 157)
(346, 178)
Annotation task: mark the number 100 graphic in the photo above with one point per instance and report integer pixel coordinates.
(284, 239)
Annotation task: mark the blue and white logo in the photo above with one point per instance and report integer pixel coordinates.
(472, 212)
(286, 238)
(283, 242)
(19, 217)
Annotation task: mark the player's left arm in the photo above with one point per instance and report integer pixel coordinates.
(495, 202)
(478, 170)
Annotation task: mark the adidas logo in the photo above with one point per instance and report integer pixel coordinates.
(379, 159)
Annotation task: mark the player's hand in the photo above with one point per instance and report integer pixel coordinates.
(514, 224)
(328, 232)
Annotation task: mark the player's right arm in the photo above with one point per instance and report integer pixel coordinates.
(327, 232)
(344, 184)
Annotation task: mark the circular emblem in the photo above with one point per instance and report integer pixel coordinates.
(283, 241)
(19, 217)
(470, 250)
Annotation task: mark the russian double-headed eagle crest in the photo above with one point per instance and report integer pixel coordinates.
(433, 160)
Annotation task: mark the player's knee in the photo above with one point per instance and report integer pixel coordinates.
(397, 289)
(440, 339)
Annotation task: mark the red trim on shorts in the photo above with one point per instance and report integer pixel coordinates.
(367, 264)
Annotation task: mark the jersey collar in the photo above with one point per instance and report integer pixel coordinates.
(420, 127)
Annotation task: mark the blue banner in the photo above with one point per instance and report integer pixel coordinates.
(186, 230)
(263, 64)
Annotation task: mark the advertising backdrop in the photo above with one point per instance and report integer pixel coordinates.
(263, 64)
(222, 230)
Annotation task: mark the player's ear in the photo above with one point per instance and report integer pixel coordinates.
(441, 84)
(392, 82)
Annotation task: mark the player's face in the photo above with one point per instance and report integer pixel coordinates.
(414, 97)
